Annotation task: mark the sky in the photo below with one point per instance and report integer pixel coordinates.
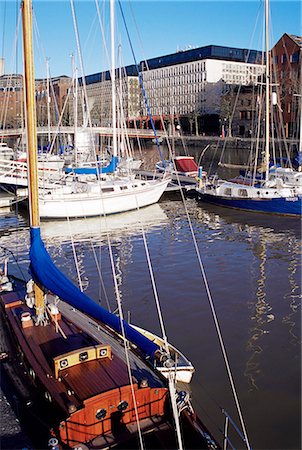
(156, 28)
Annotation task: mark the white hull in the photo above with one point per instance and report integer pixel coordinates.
(99, 199)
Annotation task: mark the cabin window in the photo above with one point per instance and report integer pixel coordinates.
(227, 191)
(123, 188)
(122, 405)
(134, 185)
(101, 414)
(242, 192)
(109, 189)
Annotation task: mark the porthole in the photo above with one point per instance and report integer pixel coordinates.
(103, 352)
(101, 414)
(122, 405)
(63, 363)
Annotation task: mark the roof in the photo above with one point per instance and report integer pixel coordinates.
(207, 52)
(296, 39)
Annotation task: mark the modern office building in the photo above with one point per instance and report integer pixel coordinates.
(192, 81)
(187, 84)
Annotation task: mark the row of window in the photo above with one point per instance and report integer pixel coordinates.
(182, 69)
(294, 58)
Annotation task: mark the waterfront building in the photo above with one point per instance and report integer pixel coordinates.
(58, 92)
(286, 58)
(187, 84)
(238, 110)
(11, 101)
(192, 81)
(98, 89)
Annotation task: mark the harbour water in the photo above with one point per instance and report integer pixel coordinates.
(253, 267)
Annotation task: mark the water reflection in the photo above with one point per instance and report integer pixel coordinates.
(275, 268)
(117, 225)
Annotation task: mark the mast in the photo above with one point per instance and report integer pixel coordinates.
(75, 107)
(30, 106)
(31, 136)
(267, 93)
(48, 100)
(113, 93)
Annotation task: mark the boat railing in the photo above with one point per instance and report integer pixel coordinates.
(227, 443)
(15, 172)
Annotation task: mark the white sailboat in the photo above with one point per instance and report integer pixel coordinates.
(111, 193)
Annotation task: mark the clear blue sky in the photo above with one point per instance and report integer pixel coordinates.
(163, 27)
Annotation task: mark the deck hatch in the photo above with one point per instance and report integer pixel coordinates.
(80, 356)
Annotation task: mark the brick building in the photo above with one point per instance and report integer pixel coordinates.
(286, 62)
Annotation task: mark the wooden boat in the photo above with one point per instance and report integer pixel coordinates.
(95, 389)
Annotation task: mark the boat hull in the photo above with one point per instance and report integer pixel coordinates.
(291, 206)
(89, 204)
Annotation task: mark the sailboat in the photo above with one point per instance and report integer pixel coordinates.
(93, 373)
(112, 192)
(279, 191)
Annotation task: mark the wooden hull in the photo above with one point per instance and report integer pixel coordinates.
(91, 400)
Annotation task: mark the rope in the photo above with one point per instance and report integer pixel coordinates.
(121, 317)
(4, 25)
(142, 86)
(87, 110)
(216, 322)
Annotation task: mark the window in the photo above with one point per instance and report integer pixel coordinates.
(242, 192)
(283, 58)
(294, 57)
(243, 114)
(109, 189)
(228, 191)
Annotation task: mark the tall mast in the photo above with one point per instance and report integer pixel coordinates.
(113, 94)
(48, 100)
(267, 91)
(32, 164)
(75, 107)
(30, 106)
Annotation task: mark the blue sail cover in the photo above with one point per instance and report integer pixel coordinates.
(45, 272)
(94, 170)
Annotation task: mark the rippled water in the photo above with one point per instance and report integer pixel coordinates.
(253, 267)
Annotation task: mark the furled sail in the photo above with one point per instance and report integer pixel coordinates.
(45, 272)
(94, 170)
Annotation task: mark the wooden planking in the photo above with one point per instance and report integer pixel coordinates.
(32, 352)
(94, 377)
(139, 368)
